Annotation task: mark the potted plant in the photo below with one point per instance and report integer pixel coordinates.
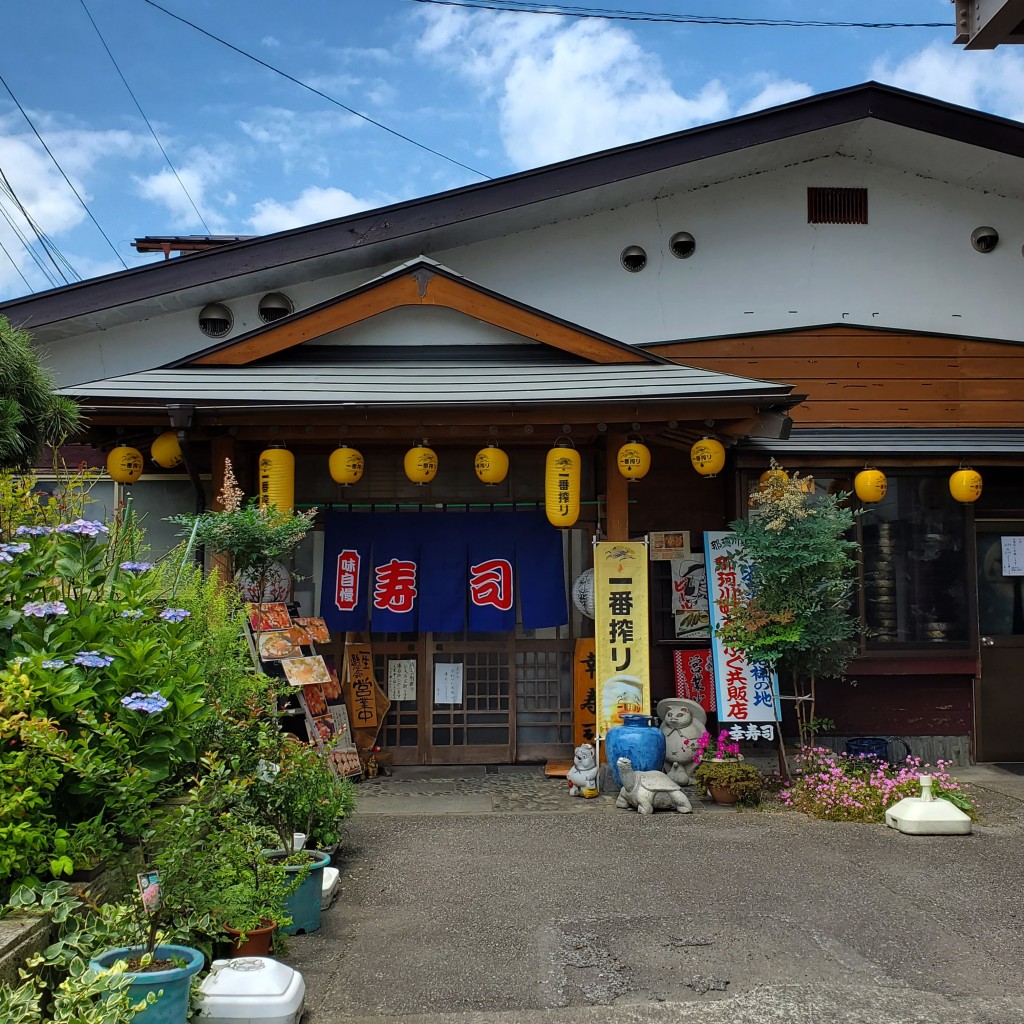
(297, 793)
(722, 773)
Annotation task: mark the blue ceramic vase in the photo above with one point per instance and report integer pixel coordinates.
(639, 739)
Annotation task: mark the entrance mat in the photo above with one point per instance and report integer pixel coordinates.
(1017, 767)
(557, 769)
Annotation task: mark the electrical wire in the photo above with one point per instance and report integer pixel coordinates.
(85, 205)
(15, 265)
(317, 92)
(44, 241)
(564, 11)
(142, 113)
(41, 265)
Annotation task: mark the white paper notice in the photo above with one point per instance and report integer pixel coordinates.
(402, 680)
(1013, 556)
(448, 684)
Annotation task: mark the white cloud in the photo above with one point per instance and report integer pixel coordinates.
(992, 81)
(563, 90)
(315, 204)
(270, 42)
(200, 171)
(297, 136)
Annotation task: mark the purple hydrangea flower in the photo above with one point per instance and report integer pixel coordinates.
(4, 557)
(136, 566)
(90, 659)
(33, 531)
(174, 614)
(150, 703)
(54, 663)
(41, 609)
(131, 613)
(15, 549)
(83, 528)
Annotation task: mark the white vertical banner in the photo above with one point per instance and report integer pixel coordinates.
(745, 691)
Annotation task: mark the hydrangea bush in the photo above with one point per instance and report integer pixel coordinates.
(102, 690)
(838, 787)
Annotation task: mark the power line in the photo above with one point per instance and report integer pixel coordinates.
(564, 11)
(44, 241)
(42, 267)
(85, 205)
(138, 106)
(317, 92)
(16, 267)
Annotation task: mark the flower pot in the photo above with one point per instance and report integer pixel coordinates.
(257, 940)
(721, 795)
(171, 1006)
(640, 741)
(304, 903)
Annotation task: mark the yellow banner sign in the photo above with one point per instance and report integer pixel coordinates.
(584, 714)
(621, 636)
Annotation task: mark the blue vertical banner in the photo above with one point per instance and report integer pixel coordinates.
(443, 591)
(540, 569)
(395, 579)
(492, 559)
(344, 604)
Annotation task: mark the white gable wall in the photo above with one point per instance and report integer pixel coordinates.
(758, 267)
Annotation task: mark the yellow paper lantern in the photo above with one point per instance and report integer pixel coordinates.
(708, 456)
(166, 451)
(965, 485)
(346, 465)
(124, 464)
(805, 484)
(277, 479)
(870, 485)
(562, 486)
(491, 465)
(634, 460)
(779, 475)
(421, 464)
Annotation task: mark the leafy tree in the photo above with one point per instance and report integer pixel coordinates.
(796, 611)
(32, 417)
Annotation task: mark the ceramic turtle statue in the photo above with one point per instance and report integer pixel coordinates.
(649, 791)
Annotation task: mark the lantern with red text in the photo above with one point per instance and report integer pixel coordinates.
(562, 486)
(277, 479)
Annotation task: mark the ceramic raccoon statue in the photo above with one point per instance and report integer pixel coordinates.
(582, 776)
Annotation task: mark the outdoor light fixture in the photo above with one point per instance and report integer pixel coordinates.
(870, 485)
(708, 457)
(124, 464)
(345, 465)
(965, 485)
(421, 464)
(562, 484)
(166, 450)
(634, 460)
(277, 479)
(491, 465)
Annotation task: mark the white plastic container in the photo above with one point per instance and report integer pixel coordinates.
(925, 816)
(329, 886)
(250, 990)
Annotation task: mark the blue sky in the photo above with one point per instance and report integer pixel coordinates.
(498, 92)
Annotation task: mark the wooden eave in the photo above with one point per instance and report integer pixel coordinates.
(419, 285)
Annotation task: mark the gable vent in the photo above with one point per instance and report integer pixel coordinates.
(837, 206)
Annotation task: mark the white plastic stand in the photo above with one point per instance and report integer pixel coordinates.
(250, 990)
(925, 816)
(329, 887)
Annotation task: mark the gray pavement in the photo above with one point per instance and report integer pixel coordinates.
(490, 897)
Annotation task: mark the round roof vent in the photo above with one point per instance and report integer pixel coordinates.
(984, 239)
(215, 320)
(274, 306)
(633, 258)
(683, 245)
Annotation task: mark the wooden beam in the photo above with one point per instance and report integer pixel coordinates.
(616, 490)
(422, 288)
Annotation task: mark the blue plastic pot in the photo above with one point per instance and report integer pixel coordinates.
(171, 987)
(876, 747)
(304, 903)
(639, 739)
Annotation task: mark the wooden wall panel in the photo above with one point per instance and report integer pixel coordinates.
(856, 376)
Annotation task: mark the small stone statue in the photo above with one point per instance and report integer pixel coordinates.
(683, 722)
(582, 776)
(649, 791)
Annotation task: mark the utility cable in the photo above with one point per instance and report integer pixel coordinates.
(45, 242)
(564, 11)
(142, 113)
(41, 265)
(14, 263)
(317, 92)
(85, 205)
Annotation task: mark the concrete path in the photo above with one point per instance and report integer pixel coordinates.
(477, 897)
